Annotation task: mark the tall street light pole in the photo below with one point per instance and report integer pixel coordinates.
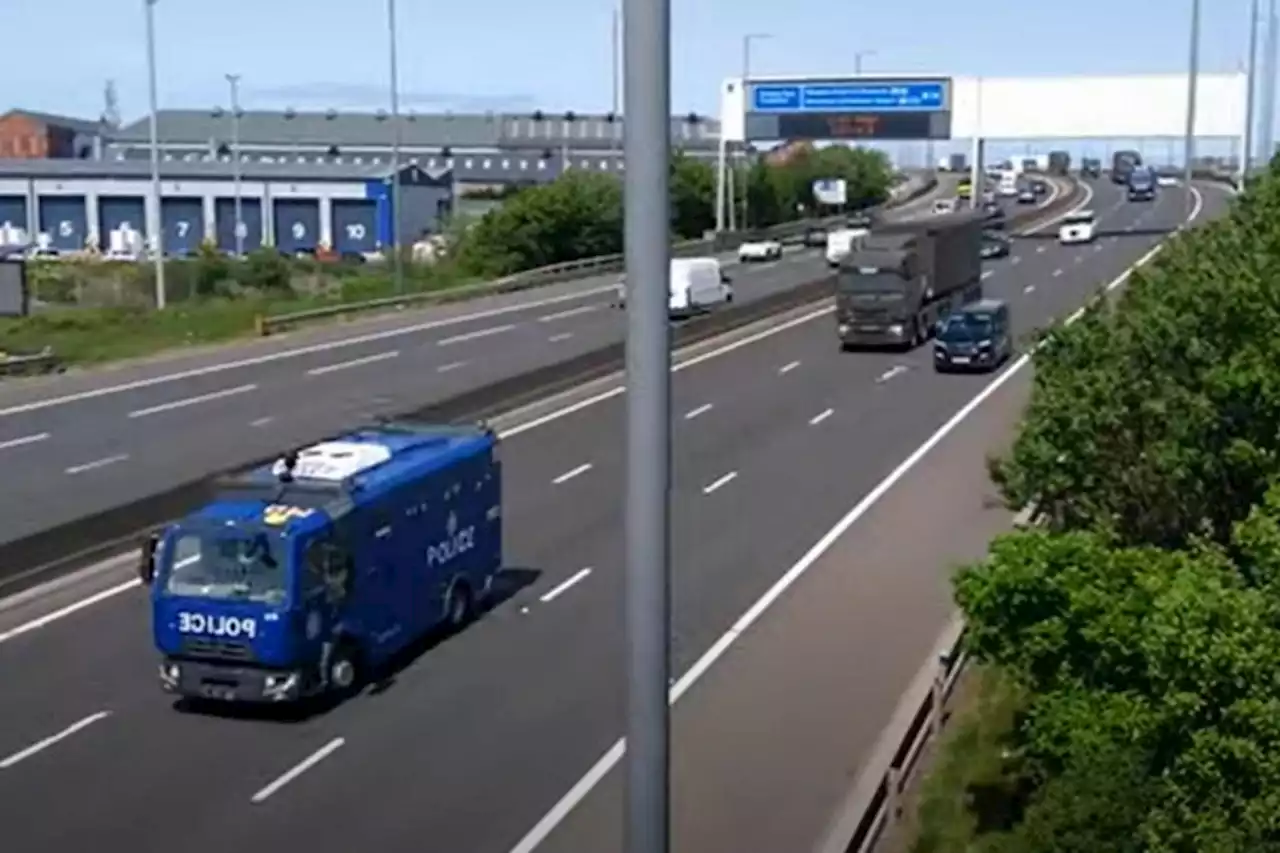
(1267, 115)
(1250, 92)
(647, 245)
(1193, 78)
(393, 54)
(857, 60)
(744, 184)
(233, 80)
(157, 221)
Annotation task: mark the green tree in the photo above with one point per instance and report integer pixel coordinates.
(1154, 417)
(693, 192)
(1153, 667)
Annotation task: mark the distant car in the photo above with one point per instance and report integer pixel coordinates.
(1027, 195)
(994, 245)
(1040, 187)
(1091, 168)
(944, 205)
(1167, 180)
(988, 197)
(815, 238)
(760, 250)
(1078, 227)
(996, 217)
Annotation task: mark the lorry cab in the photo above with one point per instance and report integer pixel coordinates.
(303, 575)
(977, 337)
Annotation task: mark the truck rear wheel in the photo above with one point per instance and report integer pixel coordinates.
(459, 608)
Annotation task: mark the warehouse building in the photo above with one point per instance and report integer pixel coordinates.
(297, 207)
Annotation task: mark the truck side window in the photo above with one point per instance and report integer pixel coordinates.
(330, 568)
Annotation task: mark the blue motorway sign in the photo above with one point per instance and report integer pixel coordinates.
(850, 96)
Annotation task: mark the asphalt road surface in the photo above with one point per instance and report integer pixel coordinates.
(85, 443)
(777, 435)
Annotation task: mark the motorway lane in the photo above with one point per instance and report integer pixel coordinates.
(95, 453)
(510, 666)
(138, 447)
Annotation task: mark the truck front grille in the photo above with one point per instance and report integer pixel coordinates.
(217, 649)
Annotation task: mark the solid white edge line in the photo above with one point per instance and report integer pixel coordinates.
(43, 744)
(560, 588)
(24, 440)
(63, 612)
(298, 769)
(85, 467)
(579, 792)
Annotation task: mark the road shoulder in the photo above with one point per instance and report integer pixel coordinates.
(768, 743)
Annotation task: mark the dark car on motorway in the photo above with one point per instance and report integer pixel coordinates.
(977, 337)
(1027, 195)
(1091, 167)
(1039, 186)
(994, 245)
(815, 238)
(996, 216)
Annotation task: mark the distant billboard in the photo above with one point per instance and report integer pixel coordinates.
(833, 191)
(856, 108)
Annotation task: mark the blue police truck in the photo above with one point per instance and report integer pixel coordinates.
(302, 575)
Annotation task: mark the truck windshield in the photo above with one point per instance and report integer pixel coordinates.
(965, 328)
(883, 286)
(228, 564)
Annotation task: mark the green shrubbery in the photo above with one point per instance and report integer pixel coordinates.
(1139, 626)
(102, 310)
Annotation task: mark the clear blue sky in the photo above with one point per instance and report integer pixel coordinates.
(516, 54)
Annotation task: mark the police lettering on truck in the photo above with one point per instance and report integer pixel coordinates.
(217, 625)
(457, 543)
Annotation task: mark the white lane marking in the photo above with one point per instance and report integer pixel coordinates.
(1015, 260)
(261, 422)
(821, 416)
(63, 612)
(700, 410)
(24, 440)
(788, 367)
(986, 274)
(517, 429)
(97, 463)
(473, 336)
(1039, 249)
(193, 401)
(572, 312)
(1030, 288)
(355, 362)
(1057, 272)
(563, 336)
(42, 745)
(598, 771)
(720, 483)
(302, 767)
(692, 361)
(298, 352)
(562, 587)
(896, 370)
(569, 475)
(453, 365)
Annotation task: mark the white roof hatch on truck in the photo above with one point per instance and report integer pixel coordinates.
(334, 461)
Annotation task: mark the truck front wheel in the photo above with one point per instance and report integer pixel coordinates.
(344, 669)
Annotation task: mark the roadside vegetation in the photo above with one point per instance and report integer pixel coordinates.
(1128, 647)
(92, 311)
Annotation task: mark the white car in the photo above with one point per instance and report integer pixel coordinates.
(945, 205)
(1167, 180)
(760, 250)
(1077, 227)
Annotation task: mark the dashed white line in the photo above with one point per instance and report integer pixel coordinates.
(193, 401)
(562, 587)
(986, 274)
(453, 365)
(42, 745)
(896, 370)
(476, 335)
(1057, 272)
(1015, 260)
(355, 362)
(563, 336)
(97, 463)
(572, 312)
(1029, 288)
(24, 440)
(720, 483)
(700, 410)
(569, 475)
(261, 422)
(1079, 258)
(787, 368)
(821, 416)
(306, 764)
(1039, 249)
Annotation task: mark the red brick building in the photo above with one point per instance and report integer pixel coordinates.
(26, 135)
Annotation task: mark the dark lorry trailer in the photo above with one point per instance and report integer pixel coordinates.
(1059, 163)
(1122, 165)
(906, 276)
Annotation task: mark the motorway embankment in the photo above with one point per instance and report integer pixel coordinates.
(104, 455)
(777, 435)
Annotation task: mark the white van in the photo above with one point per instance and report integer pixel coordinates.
(696, 285)
(1008, 184)
(841, 242)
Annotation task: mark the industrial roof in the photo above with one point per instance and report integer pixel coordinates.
(78, 125)
(354, 129)
(217, 170)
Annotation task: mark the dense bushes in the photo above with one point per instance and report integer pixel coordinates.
(1140, 625)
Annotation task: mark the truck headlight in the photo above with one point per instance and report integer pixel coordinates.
(895, 329)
